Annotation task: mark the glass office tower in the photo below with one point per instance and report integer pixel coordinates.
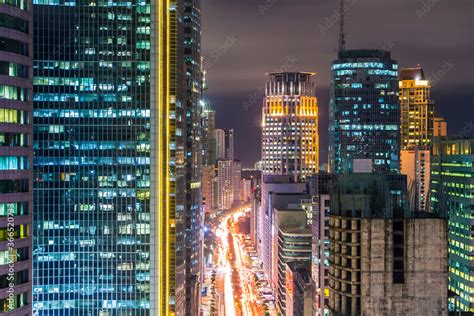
(110, 158)
(452, 185)
(364, 111)
(193, 95)
(16, 55)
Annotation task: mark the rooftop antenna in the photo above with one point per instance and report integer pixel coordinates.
(342, 35)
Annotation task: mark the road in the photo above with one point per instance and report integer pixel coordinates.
(235, 287)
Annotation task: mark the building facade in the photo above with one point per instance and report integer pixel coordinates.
(288, 192)
(417, 109)
(382, 255)
(290, 139)
(452, 184)
(116, 196)
(191, 18)
(415, 164)
(320, 186)
(225, 182)
(294, 245)
(298, 289)
(364, 111)
(16, 143)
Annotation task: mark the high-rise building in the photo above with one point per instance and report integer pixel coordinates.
(320, 186)
(417, 109)
(290, 139)
(384, 259)
(191, 17)
(288, 192)
(452, 184)
(219, 136)
(116, 191)
(208, 182)
(209, 160)
(237, 181)
(293, 244)
(16, 176)
(229, 144)
(208, 118)
(364, 111)
(417, 121)
(225, 182)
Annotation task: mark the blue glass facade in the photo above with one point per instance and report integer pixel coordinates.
(92, 157)
(364, 111)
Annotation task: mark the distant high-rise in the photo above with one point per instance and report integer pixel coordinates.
(219, 136)
(364, 111)
(417, 109)
(417, 132)
(229, 144)
(440, 127)
(290, 139)
(117, 158)
(16, 176)
(226, 173)
(452, 184)
(208, 118)
(384, 259)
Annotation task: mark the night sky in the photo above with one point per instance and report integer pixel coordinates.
(244, 39)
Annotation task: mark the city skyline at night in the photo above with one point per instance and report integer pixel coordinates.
(240, 52)
(236, 158)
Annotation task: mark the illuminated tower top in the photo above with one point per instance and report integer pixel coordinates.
(290, 139)
(417, 110)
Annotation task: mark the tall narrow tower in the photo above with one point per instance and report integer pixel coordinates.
(290, 138)
(114, 158)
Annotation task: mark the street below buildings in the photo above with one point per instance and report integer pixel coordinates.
(236, 285)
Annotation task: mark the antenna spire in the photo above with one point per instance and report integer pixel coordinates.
(342, 35)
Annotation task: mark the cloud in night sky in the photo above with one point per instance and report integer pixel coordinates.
(244, 39)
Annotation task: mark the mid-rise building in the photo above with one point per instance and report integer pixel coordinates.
(293, 245)
(288, 192)
(416, 108)
(117, 158)
(384, 259)
(452, 184)
(16, 152)
(298, 289)
(290, 139)
(440, 127)
(415, 164)
(364, 111)
(320, 186)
